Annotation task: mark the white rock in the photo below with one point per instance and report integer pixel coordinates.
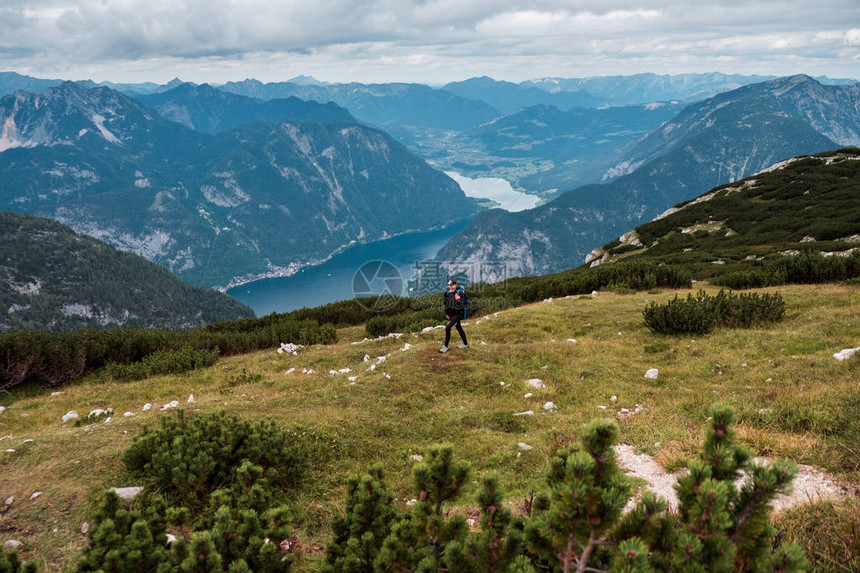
(372, 367)
(11, 544)
(549, 407)
(352, 378)
(2, 409)
(367, 357)
(526, 413)
(71, 416)
(96, 412)
(411, 502)
(483, 343)
(108, 419)
(386, 376)
(290, 371)
(85, 526)
(127, 493)
(35, 495)
(146, 407)
(536, 383)
(171, 538)
(173, 404)
(416, 458)
(191, 399)
(311, 371)
(27, 441)
(523, 446)
(406, 346)
(548, 299)
(593, 294)
(10, 451)
(501, 383)
(846, 353)
(128, 414)
(571, 340)
(381, 359)
(651, 374)
(343, 370)
(10, 500)
(56, 393)
(613, 398)
(528, 395)
(602, 407)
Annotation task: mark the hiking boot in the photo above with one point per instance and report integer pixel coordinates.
(462, 346)
(443, 350)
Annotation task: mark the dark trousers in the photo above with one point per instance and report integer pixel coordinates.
(454, 322)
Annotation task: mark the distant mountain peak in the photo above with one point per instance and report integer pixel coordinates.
(303, 80)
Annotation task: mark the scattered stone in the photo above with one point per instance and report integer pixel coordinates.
(501, 383)
(27, 441)
(651, 374)
(56, 393)
(191, 399)
(96, 412)
(171, 538)
(571, 340)
(416, 458)
(536, 383)
(289, 348)
(594, 294)
(613, 398)
(602, 407)
(146, 407)
(290, 371)
(846, 353)
(550, 407)
(11, 544)
(24, 415)
(372, 367)
(2, 409)
(406, 346)
(85, 526)
(411, 502)
(10, 451)
(128, 414)
(526, 413)
(548, 299)
(173, 404)
(483, 343)
(524, 447)
(367, 357)
(386, 376)
(127, 493)
(72, 415)
(10, 500)
(352, 378)
(528, 395)
(35, 495)
(381, 359)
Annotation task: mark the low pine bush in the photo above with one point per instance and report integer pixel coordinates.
(722, 523)
(188, 458)
(163, 362)
(10, 563)
(702, 313)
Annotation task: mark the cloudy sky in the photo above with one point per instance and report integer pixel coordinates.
(428, 41)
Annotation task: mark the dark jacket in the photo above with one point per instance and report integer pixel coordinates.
(456, 303)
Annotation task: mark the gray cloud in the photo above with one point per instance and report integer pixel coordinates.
(426, 40)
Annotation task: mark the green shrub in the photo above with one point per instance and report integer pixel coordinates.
(702, 313)
(163, 362)
(188, 458)
(10, 563)
(721, 524)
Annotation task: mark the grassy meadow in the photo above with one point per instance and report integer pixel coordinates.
(792, 398)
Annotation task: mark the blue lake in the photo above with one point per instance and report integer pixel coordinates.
(333, 280)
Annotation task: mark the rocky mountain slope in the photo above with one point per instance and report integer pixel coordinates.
(52, 278)
(214, 209)
(720, 140)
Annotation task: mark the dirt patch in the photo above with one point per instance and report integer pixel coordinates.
(809, 484)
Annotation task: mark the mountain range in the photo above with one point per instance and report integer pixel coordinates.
(260, 199)
(52, 278)
(724, 138)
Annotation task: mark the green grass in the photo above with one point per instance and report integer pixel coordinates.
(792, 398)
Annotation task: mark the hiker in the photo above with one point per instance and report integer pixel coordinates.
(456, 306)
